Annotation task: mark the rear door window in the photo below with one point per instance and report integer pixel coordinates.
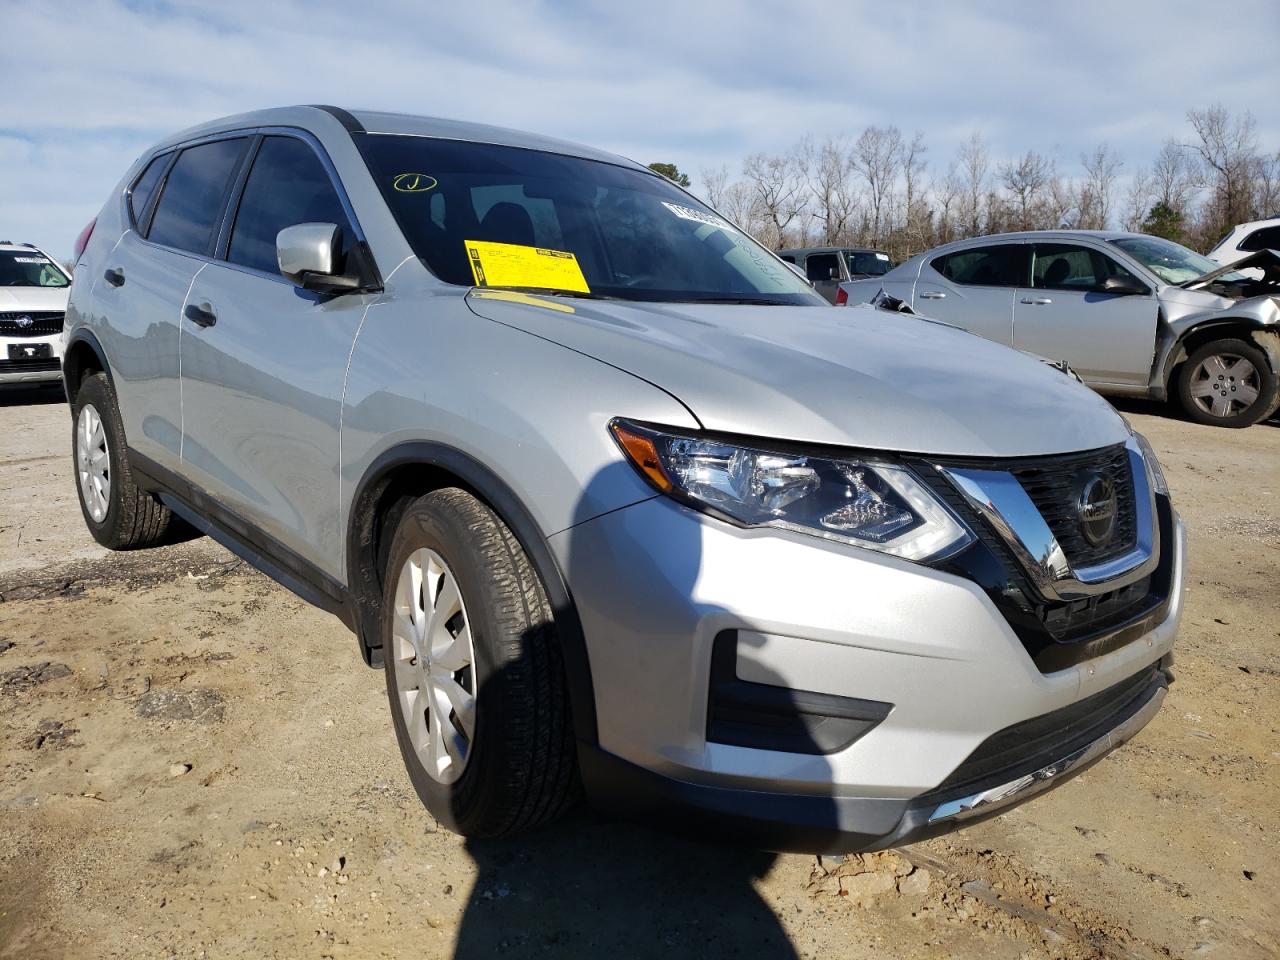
(194, 192)
(819, 267)
(998, 266)
(145, 187)
(288, 185)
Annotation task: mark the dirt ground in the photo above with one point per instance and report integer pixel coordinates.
(194, 763)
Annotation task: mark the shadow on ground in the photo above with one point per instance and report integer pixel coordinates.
(591, 888)
(22, 396)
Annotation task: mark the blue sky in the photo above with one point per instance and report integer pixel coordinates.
(90, 83)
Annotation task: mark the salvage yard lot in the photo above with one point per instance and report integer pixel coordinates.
(194, 763)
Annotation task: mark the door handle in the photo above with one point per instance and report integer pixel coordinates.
(933, 295)
(114, 276)
(1038, 301)
(201, 315)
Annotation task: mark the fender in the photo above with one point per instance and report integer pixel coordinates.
(366, 592)
(87, 337)
(1164, 369)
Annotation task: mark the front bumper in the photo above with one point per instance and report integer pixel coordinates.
(20, 371)
(656, 583)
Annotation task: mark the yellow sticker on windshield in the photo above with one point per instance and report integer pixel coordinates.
(515, 265)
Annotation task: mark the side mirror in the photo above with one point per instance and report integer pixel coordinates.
(833, 273)
(308, 254)
(1124, 287)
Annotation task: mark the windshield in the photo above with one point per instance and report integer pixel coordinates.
(871, 263)
(1171, 262)
(486, 215)
(29, 268)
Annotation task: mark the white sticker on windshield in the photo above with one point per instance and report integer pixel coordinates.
(882, 256)
(30, 260)
(697, 216)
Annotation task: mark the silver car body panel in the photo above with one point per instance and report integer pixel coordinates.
(800, 376)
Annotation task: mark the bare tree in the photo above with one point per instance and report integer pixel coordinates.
(1175, 178)
(715, 183)
(915, 212)
(974, 164)
(1025, 179)
(1228, 148)
(1138, 200)
(1097, 192)
(876, 158)
(779, 186)
(827, 171)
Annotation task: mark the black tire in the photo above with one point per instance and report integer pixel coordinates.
(520, 769)
(1191, 376)
(134, 519)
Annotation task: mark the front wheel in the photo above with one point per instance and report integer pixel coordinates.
(1227, 383)
(474, 671)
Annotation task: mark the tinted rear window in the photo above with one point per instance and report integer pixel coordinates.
(1002, 266)
(191, 203)
(145, 186)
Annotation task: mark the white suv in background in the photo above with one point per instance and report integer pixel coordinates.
(33, 302)
(1247, 238)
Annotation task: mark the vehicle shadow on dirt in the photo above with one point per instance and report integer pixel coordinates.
(587, 887)
(13, 396)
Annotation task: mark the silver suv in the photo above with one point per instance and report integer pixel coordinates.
(1135, 315)
(613, 497)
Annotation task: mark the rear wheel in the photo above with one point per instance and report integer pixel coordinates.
(474, 671)
(118, 514)
(1227, 383)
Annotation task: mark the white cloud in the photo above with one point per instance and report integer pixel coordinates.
(91, 84)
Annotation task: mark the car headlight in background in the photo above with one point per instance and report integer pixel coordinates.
(868, 501)
(1158, 482)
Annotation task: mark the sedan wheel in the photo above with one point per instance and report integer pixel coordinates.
(1227, 383)
(1224, 384)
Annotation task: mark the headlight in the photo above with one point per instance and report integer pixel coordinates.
(865, 501)
(1158, 482)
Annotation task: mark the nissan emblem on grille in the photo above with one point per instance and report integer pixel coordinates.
(25, 321)
(1097, 508)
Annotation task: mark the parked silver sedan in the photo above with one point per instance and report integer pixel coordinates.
(1134, 315)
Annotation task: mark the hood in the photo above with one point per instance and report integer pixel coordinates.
(1268, 260)
(36, 299)
(853, 376)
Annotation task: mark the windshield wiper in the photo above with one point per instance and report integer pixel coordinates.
(549, 292)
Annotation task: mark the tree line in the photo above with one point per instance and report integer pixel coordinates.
(879, 190)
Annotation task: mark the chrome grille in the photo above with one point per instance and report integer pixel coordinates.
(43, 323)
(1053, 484)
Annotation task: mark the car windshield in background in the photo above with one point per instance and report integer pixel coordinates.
(497, 216)
(868, 263)
(1171, 262)
(29, 268)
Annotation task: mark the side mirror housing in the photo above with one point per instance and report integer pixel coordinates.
(309, 255)
(1124, 287)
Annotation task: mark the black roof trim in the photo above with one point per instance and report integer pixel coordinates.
(350, 123)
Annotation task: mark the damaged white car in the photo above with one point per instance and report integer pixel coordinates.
(1133, 315)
